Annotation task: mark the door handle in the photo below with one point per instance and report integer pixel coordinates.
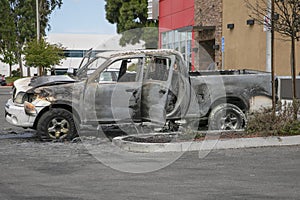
(133, 91)
(130, 90)
(161, 91)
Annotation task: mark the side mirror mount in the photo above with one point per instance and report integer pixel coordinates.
(71, 71)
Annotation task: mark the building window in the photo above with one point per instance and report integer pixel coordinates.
(80, 53)
(74, 53)
(179, 41)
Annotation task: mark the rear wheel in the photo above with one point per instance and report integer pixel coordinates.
(56, 124)
(226, 117)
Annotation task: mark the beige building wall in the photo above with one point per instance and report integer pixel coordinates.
(245, 45)
(282, 56)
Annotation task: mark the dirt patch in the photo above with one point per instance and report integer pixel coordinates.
(163, 138)
(188, 137)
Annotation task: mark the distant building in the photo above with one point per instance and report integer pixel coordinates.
(76, 46)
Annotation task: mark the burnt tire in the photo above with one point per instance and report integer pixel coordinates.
(56, 124)
(226, 116)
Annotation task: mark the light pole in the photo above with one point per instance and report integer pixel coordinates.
(37, 21)
(37, 30)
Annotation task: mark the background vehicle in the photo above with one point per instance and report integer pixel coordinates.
(136, 87)
(2, 80)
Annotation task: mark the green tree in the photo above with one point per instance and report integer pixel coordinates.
(42, 54)
(7, 36)
(130, 16)
(23, 29)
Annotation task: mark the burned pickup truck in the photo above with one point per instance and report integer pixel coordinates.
(143, 86)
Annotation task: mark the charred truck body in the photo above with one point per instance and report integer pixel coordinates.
(152, 86)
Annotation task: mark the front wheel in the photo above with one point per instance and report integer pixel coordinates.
(226, 117)
(56, 124)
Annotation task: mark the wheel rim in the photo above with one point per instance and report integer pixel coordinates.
(58, 128)
(229, 121)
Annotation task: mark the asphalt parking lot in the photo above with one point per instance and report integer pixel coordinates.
(33, 170)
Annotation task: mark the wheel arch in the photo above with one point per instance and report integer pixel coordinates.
(59, 105)
(237, 101)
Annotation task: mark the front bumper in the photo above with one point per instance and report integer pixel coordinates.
(15, 115)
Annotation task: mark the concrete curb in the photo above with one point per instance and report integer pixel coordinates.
(206, 144)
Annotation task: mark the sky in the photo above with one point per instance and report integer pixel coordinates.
(81, 17)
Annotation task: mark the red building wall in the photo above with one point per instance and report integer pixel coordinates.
(177, 14)
(174, 14)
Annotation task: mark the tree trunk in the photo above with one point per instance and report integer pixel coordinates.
(272, 60)
(293, 68)
(28, 72)
(40, 71)
(293, 72)
(20, 65)
(10, 70)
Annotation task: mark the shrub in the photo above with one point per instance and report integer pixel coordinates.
(16, 73)
(264, 123)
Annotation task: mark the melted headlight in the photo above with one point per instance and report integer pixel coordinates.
(21, 97)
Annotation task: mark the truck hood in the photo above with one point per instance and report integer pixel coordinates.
(25, 84)
(50, 80)
(22, 85)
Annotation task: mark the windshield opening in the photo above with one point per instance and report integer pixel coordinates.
(90, 67)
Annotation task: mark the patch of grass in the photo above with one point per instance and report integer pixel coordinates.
(11, 79)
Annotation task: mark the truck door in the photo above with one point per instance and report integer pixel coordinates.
(118, 93)
(156, 86)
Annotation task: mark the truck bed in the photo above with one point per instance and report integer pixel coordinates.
(226, 72)
(248, 89)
